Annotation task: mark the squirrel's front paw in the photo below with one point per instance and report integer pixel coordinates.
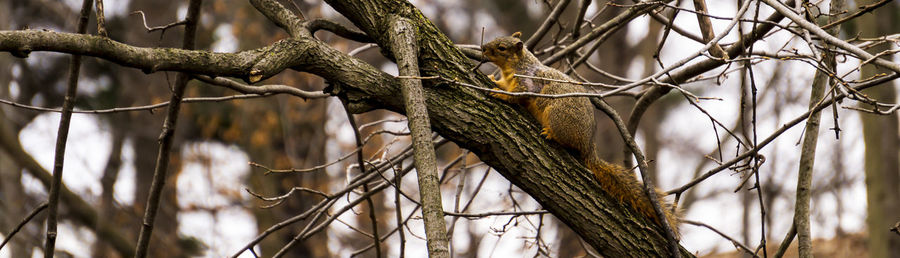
(498, 95)
(491, 76)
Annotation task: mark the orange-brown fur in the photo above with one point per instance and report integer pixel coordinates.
(568, 121)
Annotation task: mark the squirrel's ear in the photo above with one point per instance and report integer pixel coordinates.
(519, 46)
(517, 34)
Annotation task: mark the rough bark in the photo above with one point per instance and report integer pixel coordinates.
(420, 128)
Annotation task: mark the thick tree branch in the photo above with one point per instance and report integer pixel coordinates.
(403, 38)
(337, 29)
(505, 138)
(282, 17)
(305, 54)
(149, 60)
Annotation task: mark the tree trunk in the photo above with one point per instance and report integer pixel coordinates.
(882, 141)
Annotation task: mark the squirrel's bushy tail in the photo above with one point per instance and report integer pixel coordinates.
(623, 184)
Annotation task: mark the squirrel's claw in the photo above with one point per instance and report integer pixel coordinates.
(546, 133)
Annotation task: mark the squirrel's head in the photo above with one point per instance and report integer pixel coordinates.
(504, 49)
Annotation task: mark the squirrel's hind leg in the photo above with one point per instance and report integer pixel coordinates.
(547, 133)
(568, 125)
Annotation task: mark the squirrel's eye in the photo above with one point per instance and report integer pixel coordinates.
(501, 48)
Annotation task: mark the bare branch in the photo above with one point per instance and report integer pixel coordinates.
(744, 248)
(548, 22)
(262, 89)
(167, 136)
(780, 8)
(810, 140)
(150, 108)
(163, 27)
(337, 29)
(62, 136)
(606, 28)
(404, 41)
(25, 220)
(101, 20)
(362, 168)
(782, 129)
(282, 17)
(707, 30)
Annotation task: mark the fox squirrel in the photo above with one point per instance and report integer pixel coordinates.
(568, 121)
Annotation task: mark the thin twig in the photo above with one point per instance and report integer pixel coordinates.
(862, 10)
(597, 43)
(261, 89)
(814, 29)
(609, 27)
(733, 242)
(151, 108)
(324, 204)
(786, 242)
(891, 110)
(163, 27)
(362, 169)
(25, 220)
(670, 24)
(310, 169)
(398, 208)
(279, 199)
(101, 20)
(690, 57)
(582, 9)
(494, 213)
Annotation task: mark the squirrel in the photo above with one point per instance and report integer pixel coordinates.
(568, 121)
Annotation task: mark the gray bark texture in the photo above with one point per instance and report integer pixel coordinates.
(424, 158)
(810, 140)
